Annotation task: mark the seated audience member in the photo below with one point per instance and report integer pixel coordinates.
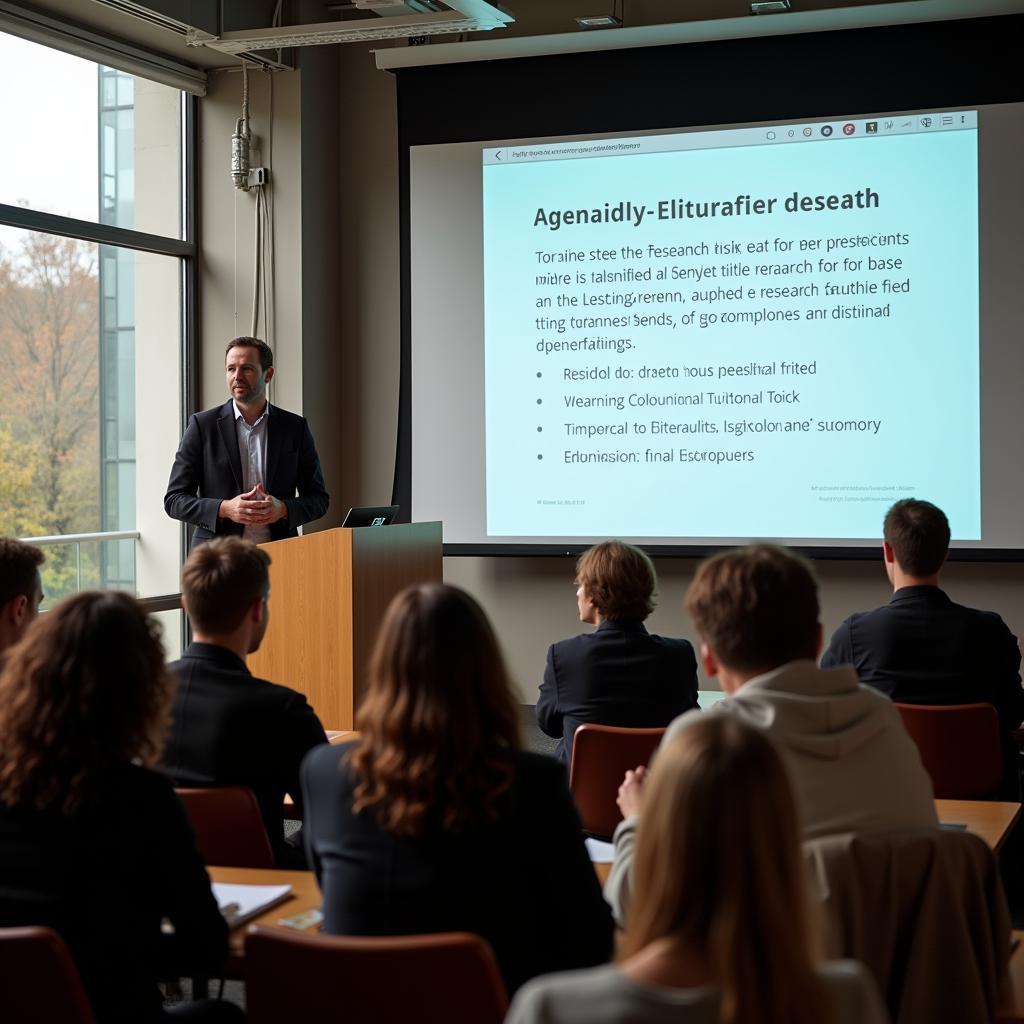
(921, 648)
(721, 928)
(229, 728)
(93, 843)
(21, 589)
(851, 762)
(434, 820)
(620, 674)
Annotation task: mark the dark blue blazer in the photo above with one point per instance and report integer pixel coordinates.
(921, 648)
(207, 469)
(618, 675)
(523, 881)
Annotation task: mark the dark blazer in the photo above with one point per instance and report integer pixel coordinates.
(104, 880)
(231, 729)
(921, 648)
(618, 675)
(208, 469)
(523, 882)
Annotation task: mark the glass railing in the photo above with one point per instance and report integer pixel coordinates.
(86, 561)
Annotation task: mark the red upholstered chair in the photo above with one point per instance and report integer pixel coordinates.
(228, 826)
(450, 978)
(959, 747)
(601, 755)
(39, 980)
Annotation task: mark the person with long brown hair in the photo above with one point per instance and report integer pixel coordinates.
(93, 843)
(434, 819)
(720, 930)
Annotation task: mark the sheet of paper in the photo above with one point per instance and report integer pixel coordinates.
(600, 851)
(240, 903)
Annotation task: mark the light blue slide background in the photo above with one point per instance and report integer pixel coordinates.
(917, 371)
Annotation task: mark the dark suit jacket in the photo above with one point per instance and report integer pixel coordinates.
(231, 729)
(524, 882)
(921, 648)
(207, 469)
(618, 675)
(104, 880)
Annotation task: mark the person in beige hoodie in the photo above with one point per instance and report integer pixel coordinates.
(851, 763)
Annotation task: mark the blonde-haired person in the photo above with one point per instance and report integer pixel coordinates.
(720, 930)
(93, 842)
(434, 819)
(619, 674)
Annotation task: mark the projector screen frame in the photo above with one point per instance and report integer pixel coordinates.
(936, 64)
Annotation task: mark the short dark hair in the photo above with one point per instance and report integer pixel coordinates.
(918, 533)
(756, 607)
(19, 569)
(619, 579)
(220, 580)
(265, 351)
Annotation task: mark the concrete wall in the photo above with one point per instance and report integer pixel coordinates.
(531, 600)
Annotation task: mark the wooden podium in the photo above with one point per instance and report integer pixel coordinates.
(328, 594)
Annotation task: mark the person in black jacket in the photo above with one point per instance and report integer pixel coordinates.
(620, 674)
(246, 468)
(434, 820)
(93, 843)
(921, 647)
(228, 727)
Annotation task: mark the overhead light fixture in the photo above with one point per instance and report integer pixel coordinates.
(392, 19)
(599, 21)
(769, 6)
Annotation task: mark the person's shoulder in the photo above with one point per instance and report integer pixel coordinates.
(212, 414)
(324, 768)
(328, 757)
(281, 416)
(539, 769)
(568, 996)
(144, 787)
(675, 645)
(571, 644)
(984, 618)
(853, 991)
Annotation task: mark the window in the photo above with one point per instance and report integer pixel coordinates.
(93, 262)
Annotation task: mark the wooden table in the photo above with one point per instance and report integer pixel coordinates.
(305, 896)
(989, 820)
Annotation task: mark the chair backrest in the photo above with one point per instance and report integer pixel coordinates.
(228, 826)
(924, 911)
(601, 755)
(959, 747)
(39, 980)
(450, 977)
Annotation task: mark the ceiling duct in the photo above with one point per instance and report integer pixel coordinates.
(385, 19)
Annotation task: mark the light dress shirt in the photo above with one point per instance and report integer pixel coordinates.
(252, 449)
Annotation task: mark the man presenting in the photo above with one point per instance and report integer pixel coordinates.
(921, 648)
(239, 466)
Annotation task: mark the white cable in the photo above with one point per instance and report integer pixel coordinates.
(257, 240)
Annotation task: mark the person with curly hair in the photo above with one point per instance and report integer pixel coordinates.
(93, 842)
(619, 674)
(434, 820)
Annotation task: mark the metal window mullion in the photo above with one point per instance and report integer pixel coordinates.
(93, 231)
